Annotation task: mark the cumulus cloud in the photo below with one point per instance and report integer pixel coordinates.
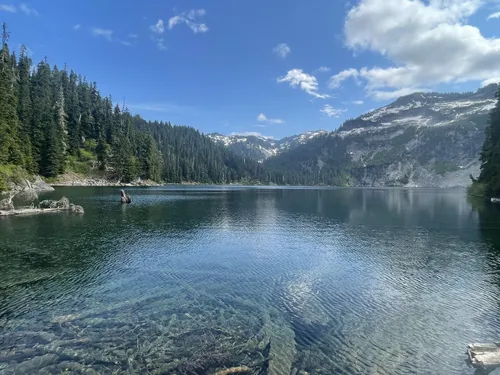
(190, 20)
(358, 102)
(8, 8)
(332, 112)
(494, 15)
(158, 27)
(105, 33)
(336, 80)
(306, 82)
(489, 81)
(29, 11)
(263, 118)
(428, 42)
(282, 50)
(323, 69)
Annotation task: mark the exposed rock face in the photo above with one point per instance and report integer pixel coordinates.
(420, 140)
(40, 186)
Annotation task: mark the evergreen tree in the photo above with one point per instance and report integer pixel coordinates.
(24, 108)
(51, 120)
(9, 124)
(490, 155)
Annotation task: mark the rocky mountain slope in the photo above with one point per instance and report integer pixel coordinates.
(423, 139)
(261, 148)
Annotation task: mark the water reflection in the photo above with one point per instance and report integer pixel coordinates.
(332, 281)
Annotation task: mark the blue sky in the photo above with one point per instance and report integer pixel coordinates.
(277, 68)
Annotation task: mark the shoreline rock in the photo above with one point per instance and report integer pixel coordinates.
(45, 206)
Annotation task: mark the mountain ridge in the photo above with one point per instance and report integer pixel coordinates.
(260, 147)
(422, 139)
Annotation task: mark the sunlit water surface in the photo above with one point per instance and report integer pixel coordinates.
(197, 280)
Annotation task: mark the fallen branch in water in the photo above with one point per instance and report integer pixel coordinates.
(47, 206)
(233, 370)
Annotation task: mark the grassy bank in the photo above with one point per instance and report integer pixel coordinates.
(10, 174)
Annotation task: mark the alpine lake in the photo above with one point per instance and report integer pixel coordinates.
(251, 280)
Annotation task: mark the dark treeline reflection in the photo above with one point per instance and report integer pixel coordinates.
(489, 226)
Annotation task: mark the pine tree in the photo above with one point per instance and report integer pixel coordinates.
(42, 130)
(74, 115)
(490, 155)
(9, 124)
(24, 108)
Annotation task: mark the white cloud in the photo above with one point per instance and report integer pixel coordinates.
(282, 50)
(126, 43)
(8, 8)
(26, 9)
(260, 126)
(251, 134)
(77, 27)
(160, 43)
(189, 19)
(429, 43)
(306, 82)
(263, 118)
(105, 33)
(358, 102)
(489, 81)
(158, 27)
(494, 15)
(323, 69)
(394, 94)
(174, 21)
(133, 36)
(332, 112)
(336, 80)
(194, 13)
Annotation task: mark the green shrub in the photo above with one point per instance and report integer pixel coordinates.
(85, 155)
(477, 189)
(75, 164)
(11, 173)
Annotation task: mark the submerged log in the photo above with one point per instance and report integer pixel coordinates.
(484, 357)
(124, 197)
(234, 370)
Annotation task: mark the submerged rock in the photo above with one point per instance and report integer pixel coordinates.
(495, 200)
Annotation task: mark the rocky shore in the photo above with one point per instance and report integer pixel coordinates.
(73, 179)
